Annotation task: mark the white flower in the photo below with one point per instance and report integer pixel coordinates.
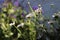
(29, 15)
(49, 22)
(28, 2)
(39, 5)
(6, 36)
(12, 23)
(38, 10)
(56, 14)
(53, 15)
(22, 24)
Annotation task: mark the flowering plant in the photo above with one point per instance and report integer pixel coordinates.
(17, 24)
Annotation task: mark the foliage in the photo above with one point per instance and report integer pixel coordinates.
(17, 24)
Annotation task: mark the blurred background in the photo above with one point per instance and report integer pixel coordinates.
(49, 6)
